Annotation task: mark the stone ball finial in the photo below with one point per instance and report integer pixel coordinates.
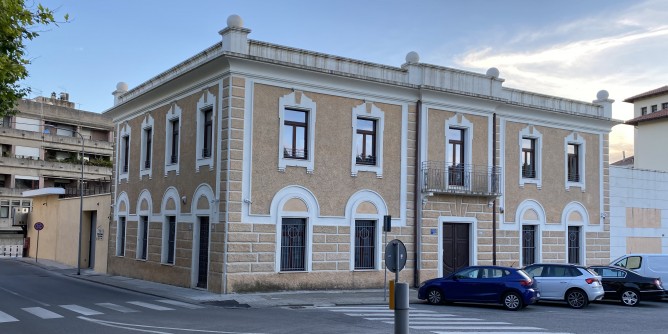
(602, 95)
(493, 72)
(122, 86)
(235, 21)
(412, 57)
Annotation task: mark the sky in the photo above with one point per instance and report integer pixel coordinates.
(566, 48)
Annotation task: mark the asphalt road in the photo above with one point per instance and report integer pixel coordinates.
(34, 300)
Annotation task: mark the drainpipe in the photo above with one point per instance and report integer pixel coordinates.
(417, 196)
(494, 177)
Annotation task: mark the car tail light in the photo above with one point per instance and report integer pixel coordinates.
(591, 280)
(526, 282)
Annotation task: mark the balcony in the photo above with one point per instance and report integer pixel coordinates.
(463, 180)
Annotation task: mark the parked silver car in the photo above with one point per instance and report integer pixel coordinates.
(576, 285)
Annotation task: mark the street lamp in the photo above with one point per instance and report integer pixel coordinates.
(80, 203)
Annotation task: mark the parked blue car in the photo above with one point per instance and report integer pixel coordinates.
(511, 287)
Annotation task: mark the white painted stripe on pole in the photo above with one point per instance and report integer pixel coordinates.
(476, 327)
(178, 303)
(116, 307)
(42, 313)
(4, 317)
(151, 306)
(80, 309)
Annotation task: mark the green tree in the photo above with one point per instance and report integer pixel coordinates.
(18, 23)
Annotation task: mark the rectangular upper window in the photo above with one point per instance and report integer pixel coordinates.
(365, 142)
(148, 137)
(573, 163)
(295, 130)
(455, 161)
(174, 141)
(528, 158)
(654, 108)
(207, 133)
(664, 105)
(643, 111)
(126, 153)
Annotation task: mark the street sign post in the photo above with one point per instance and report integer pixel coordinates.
(395, 261)
(38, 226)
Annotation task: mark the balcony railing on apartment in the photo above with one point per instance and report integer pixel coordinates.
(466, 180)
(87, 191)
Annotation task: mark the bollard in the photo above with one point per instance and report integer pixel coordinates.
(391, 294)
(401, 308)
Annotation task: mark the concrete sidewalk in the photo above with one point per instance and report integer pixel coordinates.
(233, 300)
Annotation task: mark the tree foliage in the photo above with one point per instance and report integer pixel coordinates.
(18, 24)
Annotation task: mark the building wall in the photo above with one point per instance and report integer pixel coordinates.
(649, 147)
(178, 192)
(639, 211)
(58, 241)
(649, 102)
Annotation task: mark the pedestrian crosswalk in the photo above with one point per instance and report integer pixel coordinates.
(61, 311)
(436, 322)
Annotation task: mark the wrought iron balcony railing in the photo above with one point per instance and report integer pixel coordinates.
(467, 180)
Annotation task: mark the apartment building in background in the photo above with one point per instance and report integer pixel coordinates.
(639, 184)
(253, 166)
(42, 147)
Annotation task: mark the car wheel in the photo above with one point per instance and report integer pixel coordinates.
(577, 298)
(512, 301)
(630, 297)
(434, 296)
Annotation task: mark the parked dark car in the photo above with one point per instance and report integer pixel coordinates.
(627, 286)
(511, 287)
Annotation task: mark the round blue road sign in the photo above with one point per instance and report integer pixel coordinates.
(39, 226)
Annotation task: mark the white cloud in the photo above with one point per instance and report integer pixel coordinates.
(622, 53)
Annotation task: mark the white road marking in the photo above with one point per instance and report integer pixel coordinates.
(477, 327)
(80, 309)
(154, 329)
(421, 323)
(4, 317)
(116, 307)
(181, 304)
(151, 306)
(496, 333)
(42, 313)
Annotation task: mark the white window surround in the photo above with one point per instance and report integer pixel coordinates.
(575, 207)
(144, 196)
(170, 194)
(147, 124)
(205, 102)
(532, 133)
(368, 111)
(574, 138)
(125, 131)
(460, 122)
(122, 201)
(173, 114)
(290, 102)
(282, 197)
(534, 206)
(377, 201)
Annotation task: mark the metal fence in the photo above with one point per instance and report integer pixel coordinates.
(11, 250)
